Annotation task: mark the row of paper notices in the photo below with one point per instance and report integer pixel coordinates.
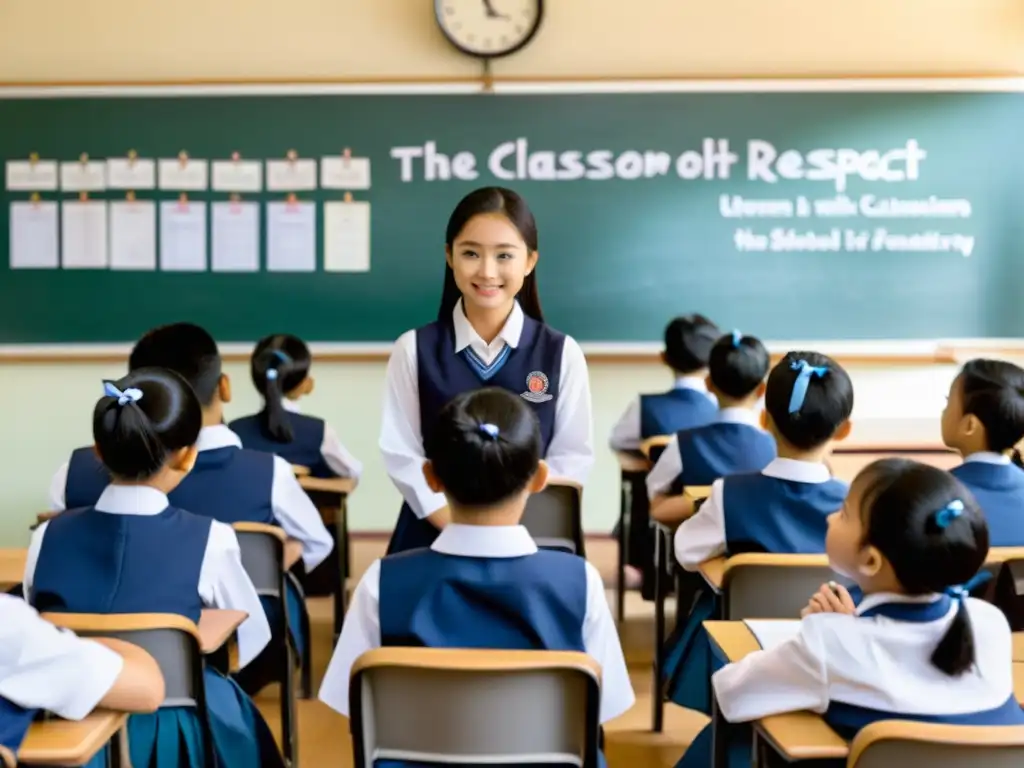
(125, 235)
(187, 175)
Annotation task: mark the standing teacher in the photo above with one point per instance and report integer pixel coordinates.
(489, 332)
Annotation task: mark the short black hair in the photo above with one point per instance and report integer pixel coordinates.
(186, 349)
(485, 446)
(279, 364)
(933, 533)
(136, 432)
(737, 364)
(826, 406)
(993, 391)
(688, 342)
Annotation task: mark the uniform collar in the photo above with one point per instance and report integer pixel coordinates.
(466, 335)
(987, 457)
(798, 471)
(738, 416)
(696, 383)
(887, 598)
(131, 500)
(292, 406)
(217, 436)
(484, 541)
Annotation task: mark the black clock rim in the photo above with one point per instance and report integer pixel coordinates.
(478, 55)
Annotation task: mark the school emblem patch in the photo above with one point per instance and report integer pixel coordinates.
(536, 388)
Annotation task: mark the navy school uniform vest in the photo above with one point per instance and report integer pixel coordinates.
(769, 514)
(675, 410)
(304, 449)
(87, 479)
(96, 562)
(434, 600)
(14, 724)
(232, 485)
(999, 490)
(720, 449)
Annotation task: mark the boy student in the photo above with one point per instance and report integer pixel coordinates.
(732, 443)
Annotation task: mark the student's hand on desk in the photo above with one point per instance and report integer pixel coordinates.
(831, 598)
(441, 518)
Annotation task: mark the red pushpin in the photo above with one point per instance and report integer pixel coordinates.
(292, 155)
(346, 155)
(182, 202)
(235, 157)
(183, 158)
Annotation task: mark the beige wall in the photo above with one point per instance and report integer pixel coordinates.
(45, 408)
(199, 39)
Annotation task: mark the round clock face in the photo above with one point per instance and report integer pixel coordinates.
(489, 28)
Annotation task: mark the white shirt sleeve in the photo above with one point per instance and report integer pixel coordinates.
(57, 486)
(401, 439)
(702, 536)
(571, 453)
(223, 583)
(32, 558)
(359, 634)
(337, 457)
(626, 434)
(791, 676)
(668, 467)
(43, 667)
(298, 516)
(601, 642)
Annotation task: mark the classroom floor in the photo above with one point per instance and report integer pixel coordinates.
(324, 739)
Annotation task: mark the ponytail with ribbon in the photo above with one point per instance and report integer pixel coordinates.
(280, 363)
(803, 380)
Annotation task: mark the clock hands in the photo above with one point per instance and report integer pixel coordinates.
(491, 13)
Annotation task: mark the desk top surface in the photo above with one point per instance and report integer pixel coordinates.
(342, 485)
(217, 625)
(67, 742)
(12, 567)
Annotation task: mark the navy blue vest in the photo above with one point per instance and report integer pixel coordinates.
(769, 514)
(96, 562)
(304, 448)
(14, 724)
(229, 484)
(533, 368)
(847, 719)
(720, 449)
(535, 602)
(999, 490)
(87, 479)
(675, 410)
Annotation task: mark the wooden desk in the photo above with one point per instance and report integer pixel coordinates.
(794, 735)
(632, 462)
(292, 553)
(1018, 647)
(216, 627)
(67, 742)
(330, 495)
(1002, 554)
(713, 571)
(12, 567)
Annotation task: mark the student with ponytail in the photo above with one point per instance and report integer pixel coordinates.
(280, 372)
(984, 422)
(916, 647)
(489, 332)
(132, 551)
(483, 583)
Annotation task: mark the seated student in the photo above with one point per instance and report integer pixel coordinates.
(783, 509)
(48, 669)
(917, 647)
(227, 483)
(280, 372)
(688, 343)
(732, 443)
(134, 552)
(983, 421)
(483, 583)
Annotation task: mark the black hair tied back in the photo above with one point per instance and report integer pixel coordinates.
(280, 363)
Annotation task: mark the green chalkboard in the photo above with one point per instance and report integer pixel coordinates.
(919, 235)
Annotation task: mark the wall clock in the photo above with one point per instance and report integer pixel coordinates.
(489, 29)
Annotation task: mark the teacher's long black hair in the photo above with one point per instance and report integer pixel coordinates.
(509, 204)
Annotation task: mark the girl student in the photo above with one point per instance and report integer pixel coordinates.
(280, 372)
(489, 331)
(132, 552)
(916, 647)
(984, 421)
(483, 583)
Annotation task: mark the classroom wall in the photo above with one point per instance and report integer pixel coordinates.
(45, 408)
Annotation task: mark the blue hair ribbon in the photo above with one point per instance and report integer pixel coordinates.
(283, 359)
(963, 591)
(491, 430)
(949, 513)
(271, 374)
(803, 379)
(130, 395)
(737, 337)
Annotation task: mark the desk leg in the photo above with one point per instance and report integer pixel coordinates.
(657, 690)
(625, 489)
(719, 738)
(341, 564)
